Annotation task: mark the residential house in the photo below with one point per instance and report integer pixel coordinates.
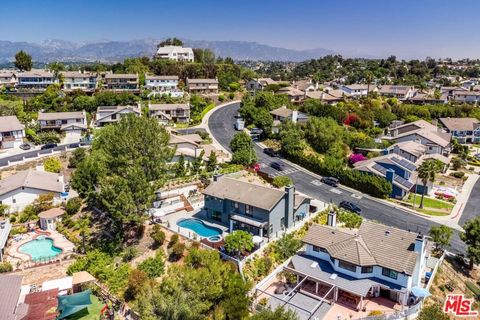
(191, 146)
(350, 267)
(259, 84)
(465, 130)
(260, 210)
(283, 114)
(35, 80)
(175, 53)
(111, 114)
(22, 188)
(466, 96)
(159, 85)
(170, 112)
(328, 96)
(357, 90)
(78, 80)
(12, 132)
(202, 86)
(10, 303)
(121, 82)
(8, 79)
(305, 85)
(416, 152)
(5, 228)
(436, 140)
(428, 98)
(71, 122)
(294, 95)
(399, 92)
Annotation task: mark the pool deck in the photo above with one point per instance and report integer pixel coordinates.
(59, 241)
(197, 214)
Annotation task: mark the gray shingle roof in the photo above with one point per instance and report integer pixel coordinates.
(31, 179)
(373, 244)
(61, 115)
(9, 292)
(460, 124)
(10, 123)
(168, 106)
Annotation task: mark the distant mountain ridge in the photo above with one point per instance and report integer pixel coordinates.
(114, 51)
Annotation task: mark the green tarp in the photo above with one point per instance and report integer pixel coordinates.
(68, 305)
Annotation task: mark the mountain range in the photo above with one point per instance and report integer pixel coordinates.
(114, 51)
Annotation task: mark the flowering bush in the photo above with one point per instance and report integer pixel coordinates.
(356, 157)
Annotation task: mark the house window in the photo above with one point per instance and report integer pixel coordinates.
(114, 116)
(270, 229)
(318, 249)
(14, 200)
(389, 273)
(282, 222)
(235, 204)
(216, 215)
(347, 266)
(368, 269)
(248, 210)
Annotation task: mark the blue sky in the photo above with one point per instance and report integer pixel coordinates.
(406, 28)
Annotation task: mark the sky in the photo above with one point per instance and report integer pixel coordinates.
(405, 28)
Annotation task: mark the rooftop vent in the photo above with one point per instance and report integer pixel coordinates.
(314, 264)
(333, 276)
(387, 232)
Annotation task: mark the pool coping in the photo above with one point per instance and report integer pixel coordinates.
(205, 223)
(34, 238)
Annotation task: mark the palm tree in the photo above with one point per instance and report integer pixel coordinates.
(369, 79)
(427, 172)
(83, 225)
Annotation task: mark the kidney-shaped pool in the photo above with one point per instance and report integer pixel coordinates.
(199, 227)
(41, 248)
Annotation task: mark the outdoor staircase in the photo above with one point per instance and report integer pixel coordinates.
(187, 206)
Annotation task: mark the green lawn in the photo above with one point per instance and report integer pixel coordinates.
(91, 313)
(431, 206)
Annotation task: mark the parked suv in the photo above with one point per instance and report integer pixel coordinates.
(277, 166)
(49, 146)
(331, 181)
(350, 206)
(270, 152)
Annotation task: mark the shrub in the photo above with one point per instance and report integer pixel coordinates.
(231, 95)
(52, 165)
(73, 205)
(13, 219)
(136, 281)
(129, 254)
(153, 267)
(157, 235)
(77, 156)
(458, 163)
(457, 174)
(282, 181)
(356, 157)
(177, 251)
(351, 220)
(375, 313)
(46, 137)
(5, 267)
(18, 230)
(238, 241)
(173, 239)
(285, 247)
(221, 98)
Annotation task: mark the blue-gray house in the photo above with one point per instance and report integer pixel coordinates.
(260, 210)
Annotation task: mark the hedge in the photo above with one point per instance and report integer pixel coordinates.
(370, 184)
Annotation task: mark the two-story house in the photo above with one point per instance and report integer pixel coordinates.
(465, 130)
(175, 53)
(170, 112)
(121, 82)
(159, 85)
(12, 132)
(111, 114)
(191, 146)
(259, 84)
(350, 267)
(8, 79)
(77, 80)
(357, 90)
(294, 95)
(394, 91)
(35, 80)
(260, 210)
(466, 96)
(202, 86)
(282, 114)
(415, 152)
(71, 122)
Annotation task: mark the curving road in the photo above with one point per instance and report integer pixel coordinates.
(221, 127)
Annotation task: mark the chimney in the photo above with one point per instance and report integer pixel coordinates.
(294, 116)
(289, 204)
(390, 175)
(216, 177)
(332, 218)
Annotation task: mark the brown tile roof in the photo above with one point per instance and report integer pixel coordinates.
(283, 112)
(31, 179)
(10, 123)
(10, 286)
(244, 192)
(51, 213)
(373, 244)
(460, 124)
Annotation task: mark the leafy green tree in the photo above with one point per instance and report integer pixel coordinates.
(86, 103)
(137, 280)
(158, 235)
(242, 147)
(282, 181)
(23, 61)
(180, 167)
(279, 313)
(177, 251)
(77, 156)
(433, 311)
(83, 226)
(238, 241)
(240, 141)
(286, 246)
(211, 162)
(52, 165)
(321, 133)
(170, 42)
(291, 137)
(153, 266)
(427, 173)
(441, 235)
(73, 205)
(471, 237)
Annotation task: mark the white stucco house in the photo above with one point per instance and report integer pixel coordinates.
(12, 132)
(159, 85)
(175, 53)
(21, 189)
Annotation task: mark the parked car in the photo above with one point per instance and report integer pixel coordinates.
(48, 146)
(277, 166)
(25, 146)
(331, 181)
(350, 206)
(75, 145)
(256, 131)
(270, 152)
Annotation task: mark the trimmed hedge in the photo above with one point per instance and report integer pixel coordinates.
(370, 184)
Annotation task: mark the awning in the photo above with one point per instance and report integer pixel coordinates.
(420, 292)
(249, 221)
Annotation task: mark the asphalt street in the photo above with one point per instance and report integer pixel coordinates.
(221, 126)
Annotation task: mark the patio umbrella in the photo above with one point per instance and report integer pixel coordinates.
(420, 292)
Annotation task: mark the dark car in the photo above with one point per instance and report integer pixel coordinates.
(331, 181)
(270, 152)
(75, 145)
(277, 166)
(350, 206)
(48, 146)
(256, 131)
(25, 146)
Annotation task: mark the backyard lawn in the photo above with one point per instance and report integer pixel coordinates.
(431, 206)
(91, 313)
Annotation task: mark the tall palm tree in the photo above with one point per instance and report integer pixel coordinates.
(369, 79)
(427, 172)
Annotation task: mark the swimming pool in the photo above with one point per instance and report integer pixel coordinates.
(199, 227)
(41, 248)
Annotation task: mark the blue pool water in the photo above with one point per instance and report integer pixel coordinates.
(199, 227)
(40, 248)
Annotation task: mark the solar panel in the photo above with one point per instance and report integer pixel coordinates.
(404, 163)
(379, 168)
(401, 181)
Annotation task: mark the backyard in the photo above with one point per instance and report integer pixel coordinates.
(433, 207)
